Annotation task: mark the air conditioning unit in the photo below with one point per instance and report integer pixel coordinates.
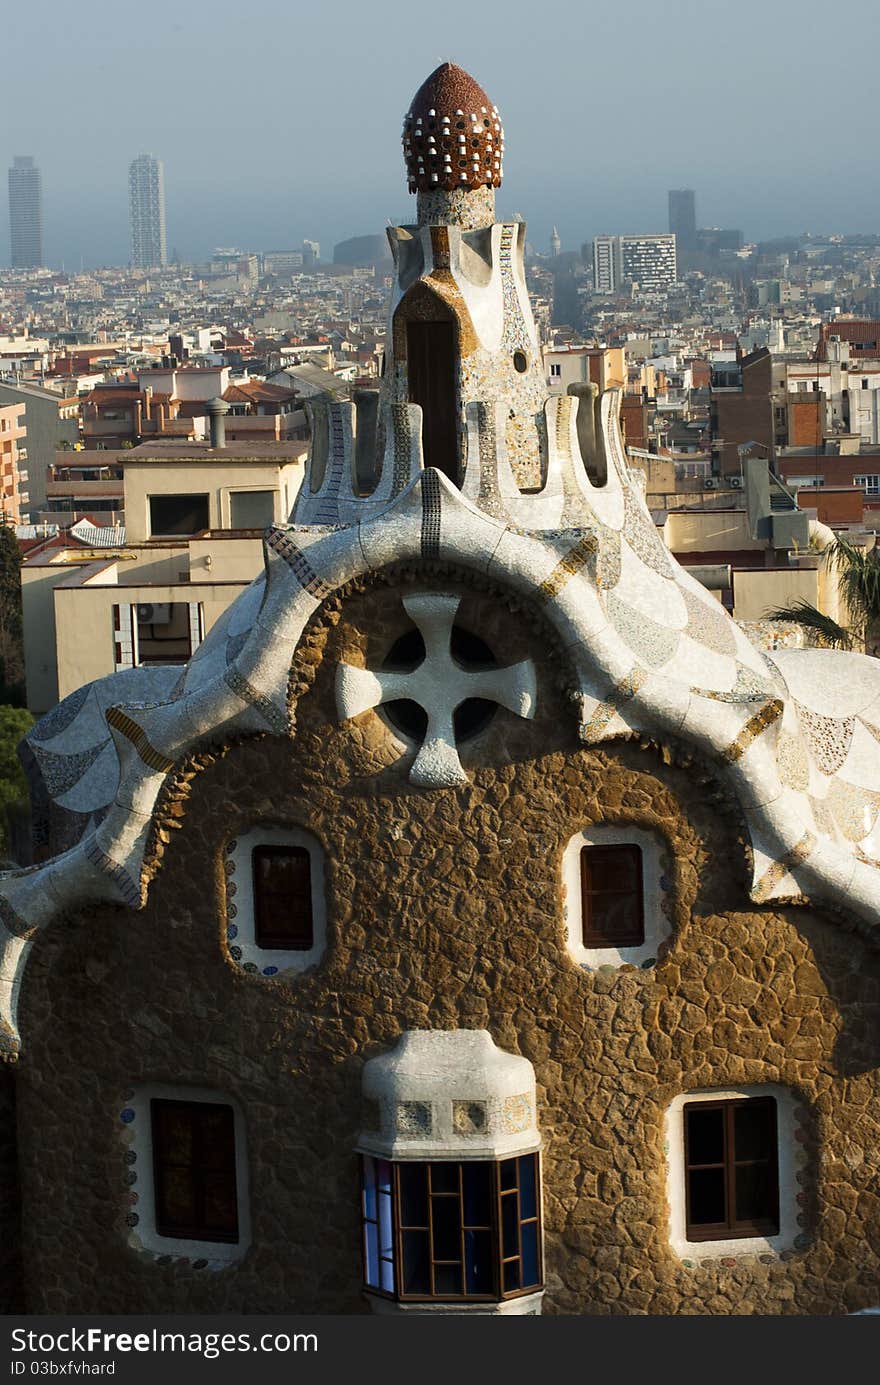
(711, 483)
(154, 613)
(736, 483)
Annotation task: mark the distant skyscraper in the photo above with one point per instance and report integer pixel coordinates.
(311, 253)
(146, 185)
(605, 264)
(25, 214)
(683, 216)
(649, 261)
(555, 243)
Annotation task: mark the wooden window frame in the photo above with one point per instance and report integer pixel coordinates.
(494, 1228)
(195, 1231)
(594, 941)
(732, 1228)
(264, 938)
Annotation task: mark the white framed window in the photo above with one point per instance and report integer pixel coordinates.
(615, 896)
(187, 1175)
(732, 1174)
(275, 900)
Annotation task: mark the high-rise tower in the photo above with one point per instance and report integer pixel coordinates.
(25, 213)
(683, 216)
(146, 184)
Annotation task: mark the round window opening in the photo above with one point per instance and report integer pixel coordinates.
(520, 362)
(409, 718)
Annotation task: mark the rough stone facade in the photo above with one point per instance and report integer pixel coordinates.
(445, 910)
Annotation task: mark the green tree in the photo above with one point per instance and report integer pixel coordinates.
(12, 691)
(14, 723)
(858, 575)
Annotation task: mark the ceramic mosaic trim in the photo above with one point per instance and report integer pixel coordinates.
(282, 544)
(574, 562)
(792, 762)
(431, 514)
(131, 893)
(139, 739)
(640, 532)
(517, 1114)
(756, 725)
(14, 922)
(402, 432)
(469, 1118)
(60, 717)
(829, 738)
(708, 627)
(241, 940)
(854, 809)
(749, 687)
(61, 772)
(776, 873)
(655, 644)
(625, 690)
(272, 715)
(414, 1120)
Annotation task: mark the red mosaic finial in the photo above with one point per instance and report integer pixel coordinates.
(452, 134)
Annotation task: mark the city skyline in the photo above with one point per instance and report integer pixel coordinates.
(252, 173)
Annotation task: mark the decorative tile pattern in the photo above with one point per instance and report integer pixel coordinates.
(754, 727)
(414, 1120)
(282, 544)
(272, 715)
(130, 891)
(708, 626)
(792, 762)
(617, 698)
(12, 920)
(749, 687)
(653, 644)
(854, 810)
(776, 873)
(431, 514)
(829, 738)
(574, 561)
(62, 716)
(61, 772)
(516, 1114)
(640, 532)
(469, 1117)
(402, 431)
(123, 723)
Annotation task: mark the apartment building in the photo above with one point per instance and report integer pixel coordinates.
(12, 455)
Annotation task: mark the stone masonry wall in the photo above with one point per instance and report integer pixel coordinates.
(445, 910)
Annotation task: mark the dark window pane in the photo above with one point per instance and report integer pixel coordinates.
(706, 1201)
(219, 1210)
(369, 1187)
(612, 896)
(477, 1180)
(530, 1275)
(416, 1263)
(446, 1225)
(283, 897)
(444, 1178)
(413, 1195)
(383, 1175)
(754, 1130)
(511, 1276)
(371, 1247)
(178, 514)
(194, 1170)
(447, 1279)
(705, 1135)
(756, 1200)
(478, 1262)
(508, 1173)
(176, 1203)
(528, 1186)
(509, 1225)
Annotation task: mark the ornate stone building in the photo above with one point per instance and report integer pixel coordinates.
(479, 922)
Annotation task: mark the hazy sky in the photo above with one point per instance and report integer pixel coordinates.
(277, 121)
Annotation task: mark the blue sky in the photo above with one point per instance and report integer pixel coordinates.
(277, 121)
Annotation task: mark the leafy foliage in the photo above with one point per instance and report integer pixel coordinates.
(11, 633)
(14, 723)
(858, 573)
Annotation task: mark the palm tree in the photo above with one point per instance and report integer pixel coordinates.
(858, 575)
